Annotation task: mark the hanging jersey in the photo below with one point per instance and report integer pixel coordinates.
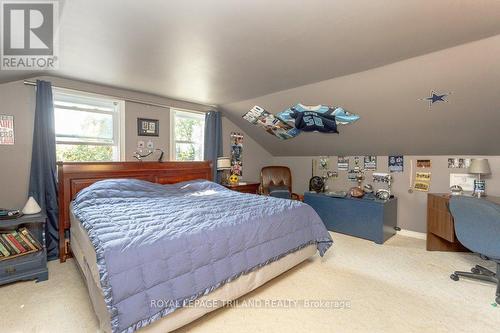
(312, 121)
(342, 117)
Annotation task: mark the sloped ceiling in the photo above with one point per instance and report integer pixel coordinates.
(222, 51)
(394, 119)
(375, 58)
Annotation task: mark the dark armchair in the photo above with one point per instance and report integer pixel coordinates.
(277, 181)
(477, 226)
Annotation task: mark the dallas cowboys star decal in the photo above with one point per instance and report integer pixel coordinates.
(435, 97)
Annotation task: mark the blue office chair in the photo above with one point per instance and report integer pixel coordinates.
(477, 226)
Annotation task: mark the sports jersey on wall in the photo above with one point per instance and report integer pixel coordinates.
(289, 123)
(342, 117)
(311, 121)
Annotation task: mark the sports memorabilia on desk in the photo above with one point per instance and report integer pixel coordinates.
(382, 177)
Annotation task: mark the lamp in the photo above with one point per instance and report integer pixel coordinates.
(224, 165)
(479, 167)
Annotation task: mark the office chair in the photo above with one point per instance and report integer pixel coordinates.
(477, 226)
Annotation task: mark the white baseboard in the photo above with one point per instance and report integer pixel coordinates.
(413, 234)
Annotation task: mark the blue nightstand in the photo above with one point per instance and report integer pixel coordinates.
(29, 266)
(371, 219)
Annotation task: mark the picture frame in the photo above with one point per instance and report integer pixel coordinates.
(7, 136)
(148, 127)
(396, 163)
(423, 164)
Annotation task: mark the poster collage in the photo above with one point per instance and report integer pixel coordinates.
(420, 179)
(369, 163)
(272, 125)
(423, 178)
(236, 154)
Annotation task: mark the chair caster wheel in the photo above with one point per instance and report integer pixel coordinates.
(454, 277)
(475, 270)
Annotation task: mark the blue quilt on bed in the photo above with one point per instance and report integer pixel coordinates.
(175, 243)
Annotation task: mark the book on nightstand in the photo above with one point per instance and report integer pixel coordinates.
(16, 243)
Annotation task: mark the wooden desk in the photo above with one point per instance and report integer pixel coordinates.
(440, 226)
(245, 187)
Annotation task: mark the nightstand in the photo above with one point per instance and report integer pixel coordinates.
(244, 187)
(29, 266)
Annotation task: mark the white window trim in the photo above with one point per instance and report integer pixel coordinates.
(118, 122)
(172, 130)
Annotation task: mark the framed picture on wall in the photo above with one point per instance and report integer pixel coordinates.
(148, 127)
(6, 130)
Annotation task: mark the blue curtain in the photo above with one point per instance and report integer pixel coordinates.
(43, 176)
(213, 139)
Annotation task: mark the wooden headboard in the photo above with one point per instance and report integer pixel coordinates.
(75, 176)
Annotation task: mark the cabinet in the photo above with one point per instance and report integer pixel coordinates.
(367, 218)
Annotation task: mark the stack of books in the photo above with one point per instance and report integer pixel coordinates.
(17, 243)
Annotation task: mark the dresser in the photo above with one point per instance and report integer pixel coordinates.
(367, 218)
(244, 187)
(440, 227)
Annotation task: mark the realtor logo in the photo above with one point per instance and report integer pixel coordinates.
(28, 35)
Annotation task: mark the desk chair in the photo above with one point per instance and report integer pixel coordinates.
(477, 226)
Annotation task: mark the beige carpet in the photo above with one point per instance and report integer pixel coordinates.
(396, 287)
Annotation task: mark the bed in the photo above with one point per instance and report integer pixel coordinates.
(159, 245)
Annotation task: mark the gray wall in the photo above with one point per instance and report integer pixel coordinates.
(136, 110)
(19, 100)
(411, 207)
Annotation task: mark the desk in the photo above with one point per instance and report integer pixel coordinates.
(370, 219)
(440, 226)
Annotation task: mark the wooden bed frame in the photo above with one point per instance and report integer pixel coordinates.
(75, 176)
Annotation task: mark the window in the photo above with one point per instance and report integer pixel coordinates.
(87, 127)
(186, 135)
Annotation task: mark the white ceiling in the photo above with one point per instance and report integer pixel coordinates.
(223, 51)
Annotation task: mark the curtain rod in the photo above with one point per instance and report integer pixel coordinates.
(131, 100)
